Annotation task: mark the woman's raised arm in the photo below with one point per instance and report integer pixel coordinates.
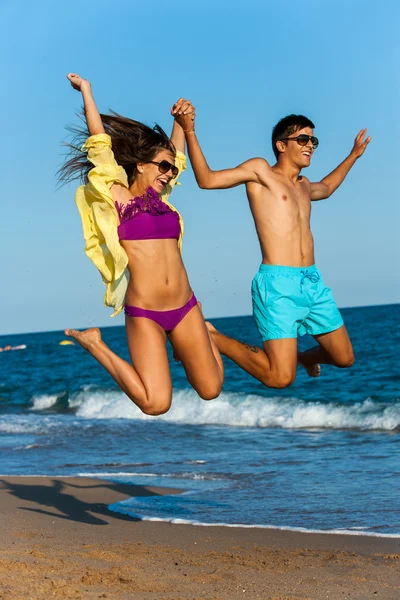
(93, 119)
(178, 135)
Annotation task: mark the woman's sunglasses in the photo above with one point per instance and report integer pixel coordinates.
(303, 140)
(164, 166)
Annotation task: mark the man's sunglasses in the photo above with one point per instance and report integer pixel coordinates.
(302, 140)
(164, 166)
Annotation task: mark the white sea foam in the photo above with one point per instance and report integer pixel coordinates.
(126, 507)
(28, 424)
(190, 476)
(44, 401)
(29, 447)
(99, 404)
(119, 475)
(17, 425)
(241, 410)
(120, 507)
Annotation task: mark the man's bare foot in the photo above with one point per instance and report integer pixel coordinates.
(175, 356)
(312, 370)
(211, 327)
(87, 339)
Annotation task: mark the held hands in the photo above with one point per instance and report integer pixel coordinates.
(360, 144)
(78, 82)
(184, 113)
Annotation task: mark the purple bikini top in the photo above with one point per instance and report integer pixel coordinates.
(147, 217)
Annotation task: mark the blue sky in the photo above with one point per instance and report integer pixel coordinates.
(244, 65)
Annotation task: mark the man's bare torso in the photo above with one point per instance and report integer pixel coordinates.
(281, 210)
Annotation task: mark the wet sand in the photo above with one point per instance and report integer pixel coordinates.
(59, 540)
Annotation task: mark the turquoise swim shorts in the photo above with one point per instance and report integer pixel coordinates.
(288, 301)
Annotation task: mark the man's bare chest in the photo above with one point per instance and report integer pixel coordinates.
(280, 201)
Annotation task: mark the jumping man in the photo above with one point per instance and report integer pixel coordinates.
(288, 292)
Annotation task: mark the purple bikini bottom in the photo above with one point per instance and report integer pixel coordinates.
(167, 319)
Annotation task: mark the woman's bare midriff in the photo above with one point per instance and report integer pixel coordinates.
(158, 278)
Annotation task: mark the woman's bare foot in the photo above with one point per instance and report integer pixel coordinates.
(87, 339)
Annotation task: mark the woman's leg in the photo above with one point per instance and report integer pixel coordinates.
(148, 352)
(148, 382)
(199, 355)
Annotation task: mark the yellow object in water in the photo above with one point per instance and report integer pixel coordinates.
(67, 343)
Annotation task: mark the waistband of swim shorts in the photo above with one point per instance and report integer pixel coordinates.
(288, 271)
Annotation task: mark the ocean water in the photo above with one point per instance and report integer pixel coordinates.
(323, 454)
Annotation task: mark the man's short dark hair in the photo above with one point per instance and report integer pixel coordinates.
(286, 126)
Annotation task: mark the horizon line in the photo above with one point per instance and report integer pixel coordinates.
(206, 318)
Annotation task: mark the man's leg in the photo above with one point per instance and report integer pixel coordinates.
(274, 366)
(334, 348)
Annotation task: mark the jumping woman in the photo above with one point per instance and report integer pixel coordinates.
(133, 235)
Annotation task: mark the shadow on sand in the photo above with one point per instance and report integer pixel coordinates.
(59, 494)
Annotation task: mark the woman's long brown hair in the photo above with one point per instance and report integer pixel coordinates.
(132, 142)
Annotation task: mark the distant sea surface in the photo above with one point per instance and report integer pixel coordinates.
(323, 454)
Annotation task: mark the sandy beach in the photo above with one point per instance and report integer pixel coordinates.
(59, 540)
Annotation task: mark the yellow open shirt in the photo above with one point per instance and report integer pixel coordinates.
(100, 217)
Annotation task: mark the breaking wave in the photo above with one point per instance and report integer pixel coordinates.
(231, 409)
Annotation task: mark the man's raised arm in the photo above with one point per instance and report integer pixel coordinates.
(326, 187)
(205, 177)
